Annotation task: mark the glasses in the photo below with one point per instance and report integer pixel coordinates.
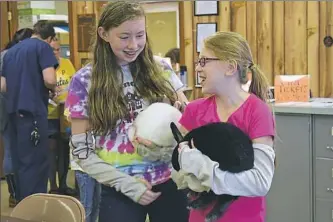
(202, 61)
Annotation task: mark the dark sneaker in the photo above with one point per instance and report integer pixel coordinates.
(69, 191)
(55, 191)
(12, 201)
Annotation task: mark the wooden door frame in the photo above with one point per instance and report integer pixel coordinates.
(13, 23)
(8, 25)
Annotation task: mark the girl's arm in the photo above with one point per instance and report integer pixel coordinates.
(174, 80)
(254, 182)
(83, 149)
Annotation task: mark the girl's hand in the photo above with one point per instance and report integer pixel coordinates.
(185, 152)
(148, 196)
(149, 144)
(183, 145)
(180, 106)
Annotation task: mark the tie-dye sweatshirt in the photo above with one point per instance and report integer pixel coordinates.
(115, 148)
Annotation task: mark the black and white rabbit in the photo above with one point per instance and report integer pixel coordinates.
(225, 144)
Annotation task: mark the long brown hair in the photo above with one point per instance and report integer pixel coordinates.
(106, 99)
(232, 46)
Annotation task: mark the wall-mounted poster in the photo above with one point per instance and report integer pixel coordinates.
(203, 31)
(85, 29)
(202, 8)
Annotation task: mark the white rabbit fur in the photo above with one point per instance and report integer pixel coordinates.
(153, 124)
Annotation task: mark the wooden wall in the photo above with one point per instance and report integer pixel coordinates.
(9, 21)
(75, 9)
(285, 37)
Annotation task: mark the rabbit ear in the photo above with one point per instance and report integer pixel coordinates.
(176, 133)
(174, 159)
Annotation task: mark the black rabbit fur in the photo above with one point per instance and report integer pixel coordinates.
(225, 144)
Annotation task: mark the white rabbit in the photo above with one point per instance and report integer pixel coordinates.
(153, 124)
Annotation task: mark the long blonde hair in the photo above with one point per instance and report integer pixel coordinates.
(232, 46)
(106, 99)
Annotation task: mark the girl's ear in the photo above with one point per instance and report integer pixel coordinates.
(232, 67)
(103, 34)
(176, 133)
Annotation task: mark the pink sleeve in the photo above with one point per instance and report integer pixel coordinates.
(187, 119)
(262, 122)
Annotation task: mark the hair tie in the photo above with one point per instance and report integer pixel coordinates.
(251, 66)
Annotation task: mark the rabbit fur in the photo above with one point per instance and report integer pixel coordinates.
(153, 124)
(225, 144)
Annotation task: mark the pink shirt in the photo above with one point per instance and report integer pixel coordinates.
(255, 118)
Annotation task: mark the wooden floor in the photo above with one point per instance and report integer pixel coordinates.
(5, 210)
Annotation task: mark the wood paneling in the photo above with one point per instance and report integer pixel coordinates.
(326, 83)
(313, 45)
(322, 49)
(5, 35)
(295, 37)
(329, 56)
(225, 18)
(264, 38)
(9, 21)
(186, 41)
(77, 8)
(286, 38)
(238, 17)
(251, 28)
(278, 42)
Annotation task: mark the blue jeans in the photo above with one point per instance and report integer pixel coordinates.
(90, 195)
(7, 161)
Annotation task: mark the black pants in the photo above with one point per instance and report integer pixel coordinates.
(59, 161)
(30, 162)
(169, 207)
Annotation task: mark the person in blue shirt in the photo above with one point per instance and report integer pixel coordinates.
(19, 36)
(29, 72)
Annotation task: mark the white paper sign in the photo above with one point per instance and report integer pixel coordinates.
(206, 7)
(203, 31)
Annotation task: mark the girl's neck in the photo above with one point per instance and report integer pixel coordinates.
(231, 101)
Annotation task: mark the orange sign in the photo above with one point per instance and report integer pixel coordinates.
(292, 88)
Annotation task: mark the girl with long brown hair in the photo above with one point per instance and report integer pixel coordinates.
(103, 101)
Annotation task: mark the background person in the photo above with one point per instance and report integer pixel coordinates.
(29, 70)
(7, 162)
(59, 147)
